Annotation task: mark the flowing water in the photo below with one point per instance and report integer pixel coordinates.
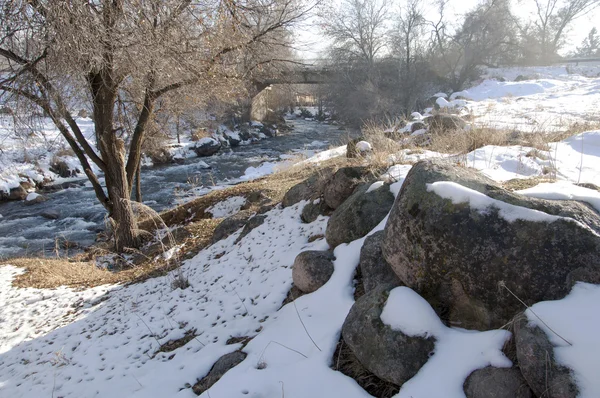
(24, 231)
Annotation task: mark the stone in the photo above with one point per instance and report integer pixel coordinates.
(359, 214)
(222, 366)
(62, 169)
(206, 147)
(312, 269)
(342, 184)
(493, 382)
(537, 361)
(82, 113)
(417, 126)
(459, 258)
(34, 198)
(312, 211)
(309, 189)
(50, 214)
(445, 121)
(389, 354)
(253, 222)
(18, 193)
(231, 224)
(374, 269)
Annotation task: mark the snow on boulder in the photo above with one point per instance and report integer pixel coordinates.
(559, 355)
(440, 95)
(206, 146)
(442, 103)
(363, 147)
(457, 352)
(34, 198)
(390, 354)
(468, 237)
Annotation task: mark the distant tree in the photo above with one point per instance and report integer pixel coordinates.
(487, 37)
(127, 55)
(590, 47)
(549, 28)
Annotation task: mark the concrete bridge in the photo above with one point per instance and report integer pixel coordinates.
(259, 107)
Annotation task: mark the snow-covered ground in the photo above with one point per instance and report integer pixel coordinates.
(104, 342)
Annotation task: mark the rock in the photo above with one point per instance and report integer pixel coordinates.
(445, 121)
(389, 354)
(374, 269)
(309, 189)
(206, 147)
(313, 210)
(18, 193)
(493, 382)
(222, 366)
(82, 113)
(34, 198)
(417, 126)
(538, 364)
(50, 214)
(161, 156)
(458, 257)
(231, 224)
(351, 151)
(342, 184)
(312, 269)
(62, 169)
(5, 110)
(358, 215)
(254, 222)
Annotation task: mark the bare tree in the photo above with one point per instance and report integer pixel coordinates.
(358, 29)
(140, 50)
(552, 20)
(590, 47)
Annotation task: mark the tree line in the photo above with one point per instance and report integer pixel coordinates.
(390, 54)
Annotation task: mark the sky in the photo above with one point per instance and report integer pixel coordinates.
(311, 43)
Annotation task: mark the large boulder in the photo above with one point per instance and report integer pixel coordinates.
(18, 193)
(253, 222)
(537, 361)
(309, 189)
(222, 366)
(359, 214)
(389, 354)
(206, 146)
(34, 198)
(374, 269)
(61, 168)
(445, 121)
(493, 382)
(342, 184)
(465, 258)
(312, 269)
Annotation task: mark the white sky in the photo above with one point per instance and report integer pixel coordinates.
(310, 42)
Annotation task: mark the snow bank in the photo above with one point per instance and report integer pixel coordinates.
(562, 190)
(574, 318)
(457, 352)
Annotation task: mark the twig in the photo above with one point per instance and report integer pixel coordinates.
(502, 284)
(284, 346)
(303, 325)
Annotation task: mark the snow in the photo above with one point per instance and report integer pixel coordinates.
(110, 349)
(228, 207)
(483, 203)
(575, 319)
(264, 169)
(374, 186)
(363, 146)
(563, 190)
(326, 155)
(457, 353)
(31, 196)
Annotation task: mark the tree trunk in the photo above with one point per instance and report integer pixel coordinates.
(138, 183)
(112, 149)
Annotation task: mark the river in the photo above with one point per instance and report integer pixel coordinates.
(25, 232)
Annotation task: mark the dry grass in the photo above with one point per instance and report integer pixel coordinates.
(46, 273)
